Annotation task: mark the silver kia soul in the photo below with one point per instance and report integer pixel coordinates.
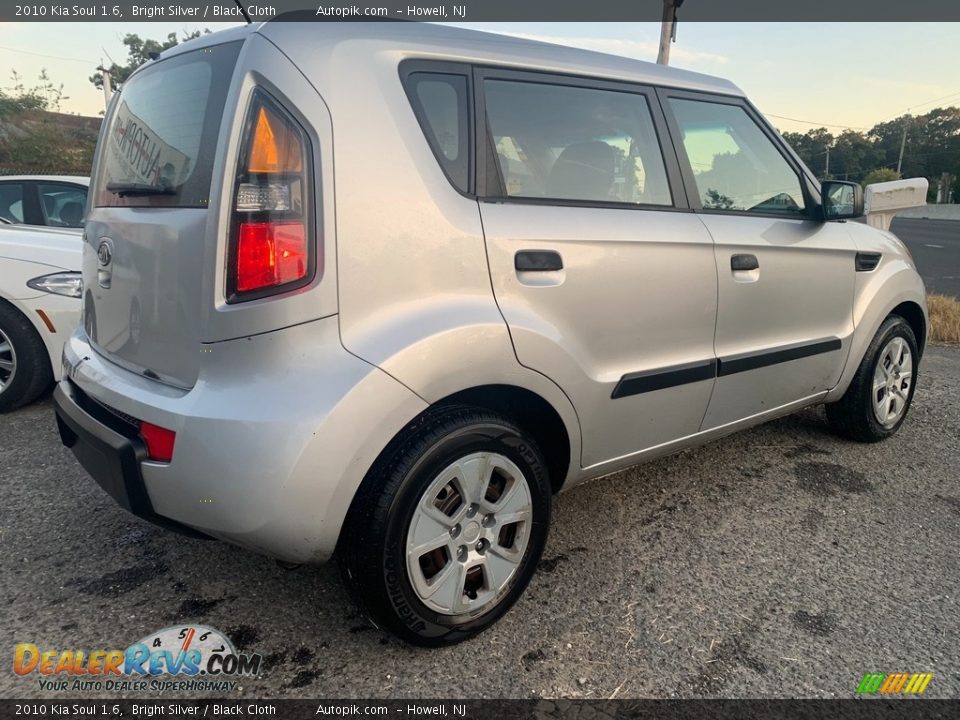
(380, 291)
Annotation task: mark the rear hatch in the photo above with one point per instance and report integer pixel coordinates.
(205, 220)
(145, 261)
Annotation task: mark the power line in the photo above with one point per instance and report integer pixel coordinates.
(53, 57)
(818, 124)
(854, 127)
(930, 102)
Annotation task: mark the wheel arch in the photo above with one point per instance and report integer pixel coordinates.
(894, 288)
(916, 318)
(531, 413)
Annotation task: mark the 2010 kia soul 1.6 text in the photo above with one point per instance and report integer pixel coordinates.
(380, 291)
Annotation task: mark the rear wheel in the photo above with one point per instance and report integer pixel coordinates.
(24, 364)
(879, 397)
(447, 529)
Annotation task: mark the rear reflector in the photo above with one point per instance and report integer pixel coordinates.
(159, 441)
(270, 253)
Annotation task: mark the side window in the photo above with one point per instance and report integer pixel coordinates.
(573, 143)
(11, 202)
(62, 205)
(735, 165)
(440, 101)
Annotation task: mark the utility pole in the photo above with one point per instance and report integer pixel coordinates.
(668, 30)
(903, 143)
(107, 87)
(826, 171)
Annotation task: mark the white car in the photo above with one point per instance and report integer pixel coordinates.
(40, 291)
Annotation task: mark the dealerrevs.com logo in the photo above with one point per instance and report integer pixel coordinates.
(186, 658)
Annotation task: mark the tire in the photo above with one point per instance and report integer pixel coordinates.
(391, 512)
(24, 363)
(855, 415)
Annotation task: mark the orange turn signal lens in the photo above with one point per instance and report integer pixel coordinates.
(275, 147)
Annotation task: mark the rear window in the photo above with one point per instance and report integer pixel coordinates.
(159, 145)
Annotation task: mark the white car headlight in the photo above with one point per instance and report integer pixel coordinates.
(69, 284)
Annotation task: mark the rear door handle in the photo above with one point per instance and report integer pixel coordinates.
(537, 261)
(744, 261)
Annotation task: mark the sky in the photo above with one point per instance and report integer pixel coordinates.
(823, 74)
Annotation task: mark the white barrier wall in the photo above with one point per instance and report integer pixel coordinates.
(884, 200)
(932, 212)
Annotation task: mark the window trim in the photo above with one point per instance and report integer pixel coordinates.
(410, 67)
(675, 184)
(811, 202)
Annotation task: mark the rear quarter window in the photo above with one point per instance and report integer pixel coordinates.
(442, 107)
(162, 132)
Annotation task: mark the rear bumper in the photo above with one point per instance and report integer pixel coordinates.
(271, 443)
(110, 451)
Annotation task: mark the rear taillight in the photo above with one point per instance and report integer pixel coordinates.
(270, 254)
(271, 247)
(159, 441)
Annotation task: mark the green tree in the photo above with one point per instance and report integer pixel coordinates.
(931, 148)
(140, 51)
(32, 134)
(45, 95)
(812, 147)
(852, 155)
(879, 175)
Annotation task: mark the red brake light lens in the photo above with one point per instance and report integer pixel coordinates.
(159, 441)
(270, 253)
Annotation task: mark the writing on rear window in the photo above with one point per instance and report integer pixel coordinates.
(161, 138)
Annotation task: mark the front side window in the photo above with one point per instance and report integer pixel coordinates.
(572, 143)
(62, 205)
(735, 165)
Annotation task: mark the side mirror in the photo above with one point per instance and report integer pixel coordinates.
(841, 200)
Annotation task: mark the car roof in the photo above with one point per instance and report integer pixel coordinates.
(429, 40)
(75, 179)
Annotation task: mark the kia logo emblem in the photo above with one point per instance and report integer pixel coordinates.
(104, 253)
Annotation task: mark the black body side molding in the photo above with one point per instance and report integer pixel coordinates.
(641, 382)
(668, 377)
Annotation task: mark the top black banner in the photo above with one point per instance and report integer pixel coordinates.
(199, 11)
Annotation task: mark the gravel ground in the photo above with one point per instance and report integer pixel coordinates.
(779, 562)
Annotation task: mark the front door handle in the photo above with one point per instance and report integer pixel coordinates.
(537, 261)
(744, 261)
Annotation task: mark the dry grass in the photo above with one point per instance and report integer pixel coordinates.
(944, 319)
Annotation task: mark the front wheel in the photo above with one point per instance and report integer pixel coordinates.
(879, 397)
(448, 527)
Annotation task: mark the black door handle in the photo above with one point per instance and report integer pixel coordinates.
(537, 261)
(743, 261)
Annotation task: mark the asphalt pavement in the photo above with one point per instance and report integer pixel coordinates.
(935, 246)
(779, 562)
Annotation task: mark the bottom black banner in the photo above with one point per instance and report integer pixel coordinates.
(912, 709)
